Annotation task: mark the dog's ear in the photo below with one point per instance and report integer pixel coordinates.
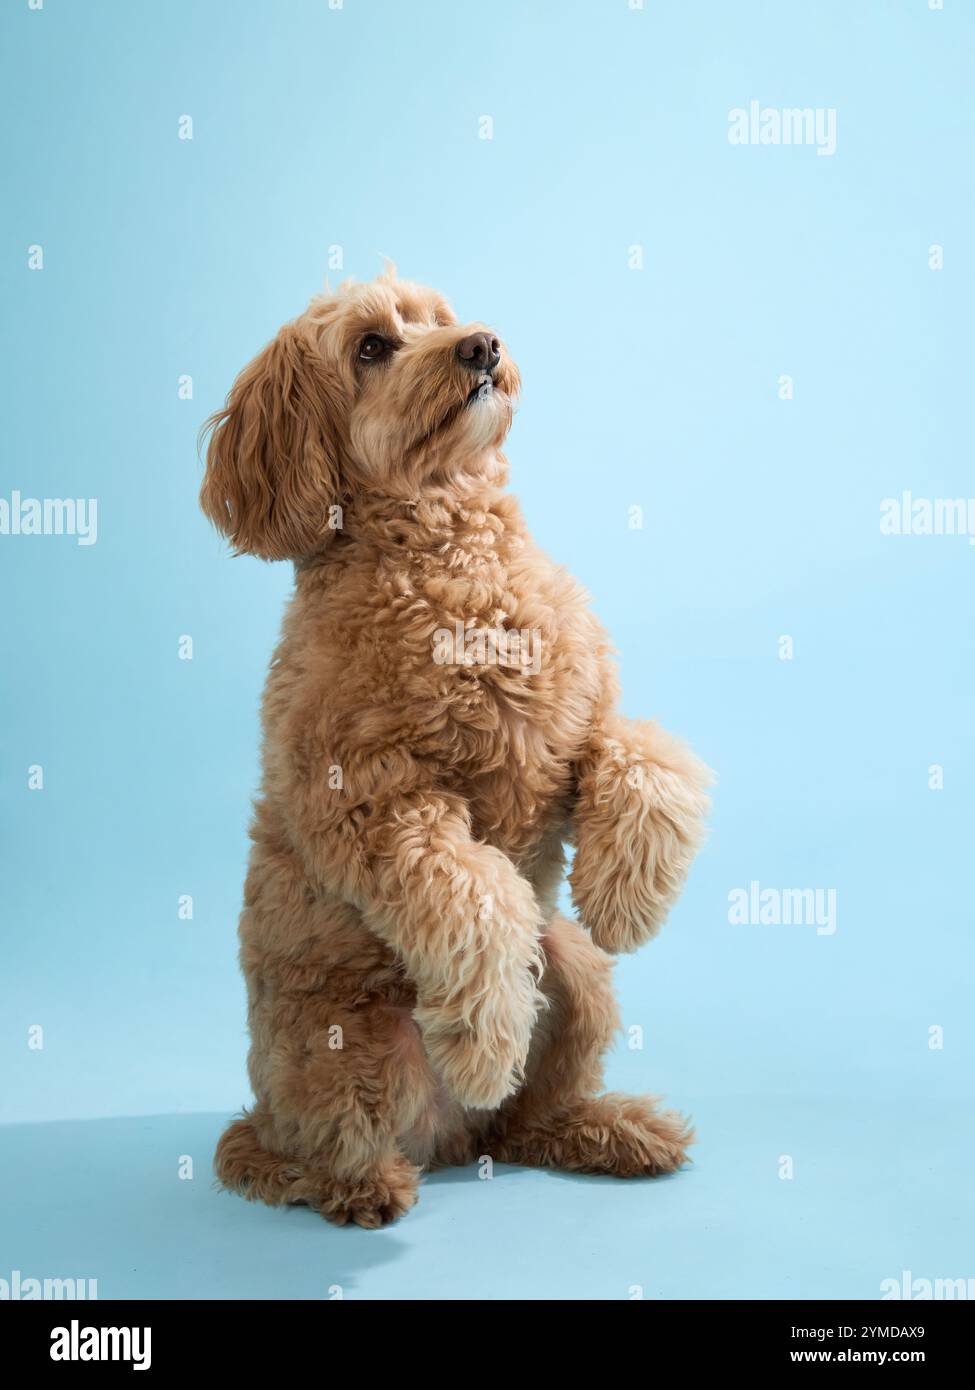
(272, 479)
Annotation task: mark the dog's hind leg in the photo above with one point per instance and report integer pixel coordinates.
(382, 1192)
(326, 1131)
(558, 1119)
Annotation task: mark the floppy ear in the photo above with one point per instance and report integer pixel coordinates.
(272, 472)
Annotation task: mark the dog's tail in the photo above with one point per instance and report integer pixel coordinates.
(242, 1164)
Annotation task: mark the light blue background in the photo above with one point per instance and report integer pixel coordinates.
(658, 388)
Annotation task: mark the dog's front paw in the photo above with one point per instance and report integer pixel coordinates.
(480, 1072)
(481, 1060)
(375, 1198)
(639, 822)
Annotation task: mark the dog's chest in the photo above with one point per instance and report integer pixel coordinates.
(504, 670)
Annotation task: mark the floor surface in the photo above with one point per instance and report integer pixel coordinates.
(877, 1189)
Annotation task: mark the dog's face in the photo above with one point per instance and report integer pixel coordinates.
(373, 390)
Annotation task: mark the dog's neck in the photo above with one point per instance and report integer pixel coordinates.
(455, 522)
(451, 548)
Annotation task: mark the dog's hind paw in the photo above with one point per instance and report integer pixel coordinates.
(626, 1136)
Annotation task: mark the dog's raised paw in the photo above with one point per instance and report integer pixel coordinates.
(478, 1071)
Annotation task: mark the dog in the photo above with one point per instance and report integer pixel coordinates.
(415, 999)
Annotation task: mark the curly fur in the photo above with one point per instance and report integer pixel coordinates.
(414, 999)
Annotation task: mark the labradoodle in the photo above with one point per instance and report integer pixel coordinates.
(439, 721)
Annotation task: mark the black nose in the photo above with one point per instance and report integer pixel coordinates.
(480, 352)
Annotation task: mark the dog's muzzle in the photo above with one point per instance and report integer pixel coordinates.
(479, 352)
(483, 389)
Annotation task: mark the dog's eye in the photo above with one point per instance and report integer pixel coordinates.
(373, 348)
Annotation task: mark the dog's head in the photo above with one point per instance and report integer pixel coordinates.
(373, 390)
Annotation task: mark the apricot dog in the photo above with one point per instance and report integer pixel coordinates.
(439, 721)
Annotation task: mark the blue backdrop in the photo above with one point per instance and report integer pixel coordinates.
(746, 347)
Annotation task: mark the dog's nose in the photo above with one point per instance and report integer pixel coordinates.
(480, 352)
